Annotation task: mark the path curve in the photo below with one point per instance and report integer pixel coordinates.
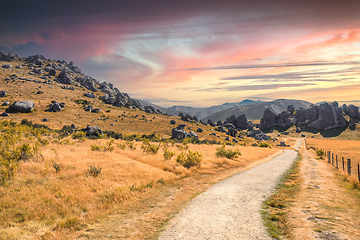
(231, 209)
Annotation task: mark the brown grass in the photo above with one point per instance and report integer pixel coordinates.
(347, 149)
(40, 202)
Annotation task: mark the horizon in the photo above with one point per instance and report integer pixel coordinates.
(198, 54)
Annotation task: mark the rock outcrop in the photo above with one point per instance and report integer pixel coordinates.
(329, 117)
(21, 107)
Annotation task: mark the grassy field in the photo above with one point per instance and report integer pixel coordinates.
(347, 149)
(67, 184)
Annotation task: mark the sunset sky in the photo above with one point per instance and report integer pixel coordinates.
(198, 52)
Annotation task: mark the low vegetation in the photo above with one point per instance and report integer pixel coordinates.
(190, 159)
(228, 153)
(275, 207)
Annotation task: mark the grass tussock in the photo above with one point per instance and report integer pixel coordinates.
(228, 153)
(190, 159)
(275, 207)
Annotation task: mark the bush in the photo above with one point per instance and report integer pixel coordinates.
(94, 171)
(228, 153)
(320, 153)
(79, 135)
(95, 147)
(167, 153)
(150, 148)
(264, 145)
(122, 146)
(131, 145)
(57, 167)
(190, 159)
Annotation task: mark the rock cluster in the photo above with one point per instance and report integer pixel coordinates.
(180, 133)
(92, 131)
(258, 135)
(56, 107)
(240, 122)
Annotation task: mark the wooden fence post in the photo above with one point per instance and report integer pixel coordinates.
(329, 157)
(343, 163)
(349, 166)
(359, 172)
(337, 164)
(332, 159)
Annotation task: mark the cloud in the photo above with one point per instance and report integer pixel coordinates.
(254, 87)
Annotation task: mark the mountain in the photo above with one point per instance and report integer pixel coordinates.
(204, 112)
(256, 110)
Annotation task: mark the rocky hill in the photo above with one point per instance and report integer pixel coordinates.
(204, 112)
(256, 110)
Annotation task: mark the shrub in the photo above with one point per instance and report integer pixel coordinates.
(264, 145)
(320, 153)
(228, 153)
(94, 171)
(131, 145)
(79, 135)
(122, 146)
(190, 159)
(167, 153)
(150, 148)
(109, 146)
(95, 147)
(57, 167)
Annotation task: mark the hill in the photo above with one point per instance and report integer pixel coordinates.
(204, 112)
(256, 110)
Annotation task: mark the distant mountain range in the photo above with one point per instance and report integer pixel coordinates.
(199, 112)
(256, 110)
(252, 109)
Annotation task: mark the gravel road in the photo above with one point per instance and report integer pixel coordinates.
(231, 209)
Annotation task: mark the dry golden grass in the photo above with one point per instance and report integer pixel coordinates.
(39, 202)
(349, 149)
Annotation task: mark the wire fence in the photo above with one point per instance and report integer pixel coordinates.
(343, 163)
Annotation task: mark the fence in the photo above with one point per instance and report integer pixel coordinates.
(345, 164)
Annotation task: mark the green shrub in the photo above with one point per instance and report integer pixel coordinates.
(94, 171)
(320, 153)
(131, 145)
(190, 159)
(79, 135)
(150, 148)
(264, 145)
(95, 147)
(228, 153)
(167, 153)
(122, 146)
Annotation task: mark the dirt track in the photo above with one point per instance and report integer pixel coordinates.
(231, 208)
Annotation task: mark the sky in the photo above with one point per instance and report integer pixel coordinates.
(198, 52)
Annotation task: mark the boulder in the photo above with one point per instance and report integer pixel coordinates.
(306, 116)
(6, 66)
(298, 130)
(64, 77)
(227, 139)
(232, 132)
(329, 117)
(179, 132)
(200, 130)
(4, 114)
(52, 72)
(22, 106)
(172, 122)
(3, 93)
(241, 122)
(353, 111)
(92, 131)
(291, 109)
(283, 120)
(96, 110)
(235, 140)
(193, 134)
(258, 135)
(221, 129)
(268, 120)
(6, 103)
(88, 108)
(55, 107)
